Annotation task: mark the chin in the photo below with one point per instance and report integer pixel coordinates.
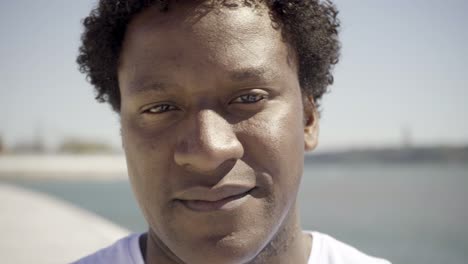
(232, 249)
(225, 252)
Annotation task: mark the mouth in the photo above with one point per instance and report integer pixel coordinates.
(222, 204)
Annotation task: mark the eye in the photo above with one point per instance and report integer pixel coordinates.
(249, 98)
(159, 109)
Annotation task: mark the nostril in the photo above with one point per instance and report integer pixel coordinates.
(208, 158)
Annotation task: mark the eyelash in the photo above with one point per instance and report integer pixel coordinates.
(248, 98)
(163, 108)
(244, 99)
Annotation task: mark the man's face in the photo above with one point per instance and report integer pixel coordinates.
(213, 130)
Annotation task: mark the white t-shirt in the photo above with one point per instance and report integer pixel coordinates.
(325, 250)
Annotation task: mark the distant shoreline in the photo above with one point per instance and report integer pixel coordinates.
(104, 167)
(405, 155)
(63, 167)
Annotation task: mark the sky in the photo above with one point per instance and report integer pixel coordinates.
(403, 71)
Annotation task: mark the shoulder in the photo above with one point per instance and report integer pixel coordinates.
(124, 251)
(328, 250)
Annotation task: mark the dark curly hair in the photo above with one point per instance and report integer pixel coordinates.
(310, 26)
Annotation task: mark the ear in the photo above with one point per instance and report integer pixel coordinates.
(311, 124)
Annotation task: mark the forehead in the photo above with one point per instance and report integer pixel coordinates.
(194, 37)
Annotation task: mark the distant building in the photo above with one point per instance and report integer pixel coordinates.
(28, 148)
(35, 145)
(406, 137)
(77, 146)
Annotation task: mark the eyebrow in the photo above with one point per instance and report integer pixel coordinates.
(153, 86)
(248, 74)
(239, 75)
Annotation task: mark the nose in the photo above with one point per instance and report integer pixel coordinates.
(207, 142)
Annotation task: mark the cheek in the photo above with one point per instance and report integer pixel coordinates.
(147, 162)
(147, 147)
(275, 142)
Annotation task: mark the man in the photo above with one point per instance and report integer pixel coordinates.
(217, 102)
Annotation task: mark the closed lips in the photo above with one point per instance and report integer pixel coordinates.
(223, 198)
(213, 194)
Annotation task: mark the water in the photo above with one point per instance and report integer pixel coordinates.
(406, 213)
(412, 213)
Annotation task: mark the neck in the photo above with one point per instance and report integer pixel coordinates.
(289, 245)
